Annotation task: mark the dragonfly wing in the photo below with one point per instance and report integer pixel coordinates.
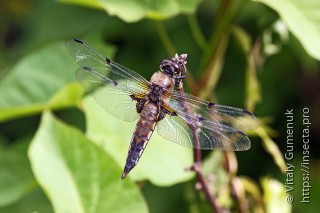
(232, 117)
(115, 87)
(87, 57)
(217, 126)
(210, 135)
(114, 100)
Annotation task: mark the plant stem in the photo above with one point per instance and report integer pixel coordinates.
(204, 185)
(213, 72)
(213, 56)
(222, 20)
(196, 167)
(196, 31)
(164, 37)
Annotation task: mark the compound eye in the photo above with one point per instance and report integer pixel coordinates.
(168, 69)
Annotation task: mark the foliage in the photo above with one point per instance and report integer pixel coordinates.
(59, 151)
(87, 180)
(301, 19)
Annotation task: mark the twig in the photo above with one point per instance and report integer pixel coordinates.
(167, 43)
(196, 31)
(196, 167)
(238, 192)
(165, 38)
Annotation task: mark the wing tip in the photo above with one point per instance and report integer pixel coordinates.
(210, 104)
(247, 112)
(87, 68)
(78, 41)
(242, 133)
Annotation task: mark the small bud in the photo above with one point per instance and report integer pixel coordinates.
(198, 186)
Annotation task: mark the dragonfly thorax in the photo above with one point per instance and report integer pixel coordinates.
(160, 84)
(155, 93)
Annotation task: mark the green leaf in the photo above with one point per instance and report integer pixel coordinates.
(217, 178)
(162, 162)
(37, 77)
(45, 21)
(275, 196)
(32, 82)
(69, 95)
(34, 201)
(76, 175)
(253, 88)
(271, 147)
(39, 81)
(16, 178)
(253, 193)
(135, 10)
(302, 18)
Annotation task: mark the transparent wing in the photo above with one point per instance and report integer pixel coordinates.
(235, 118)
(102, 67)
(218, 126)
(111, 84)
(115, 101)
(217, 136)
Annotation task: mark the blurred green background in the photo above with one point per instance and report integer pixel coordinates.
(60, 152)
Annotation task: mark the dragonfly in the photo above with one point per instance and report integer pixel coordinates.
(159, 105)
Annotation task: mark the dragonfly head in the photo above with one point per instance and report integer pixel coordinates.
(175, 67)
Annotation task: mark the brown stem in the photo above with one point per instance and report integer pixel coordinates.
(196, 167)
(204, 185)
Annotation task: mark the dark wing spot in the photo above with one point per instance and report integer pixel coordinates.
(87, 68)
(108, 61)
(246, 111)
(211, 105)
(242, 133)
(114, 83)
(201, 119)
(108, 81)
(77, 40)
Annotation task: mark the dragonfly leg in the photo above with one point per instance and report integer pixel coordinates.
(140, 103)
(164, 112)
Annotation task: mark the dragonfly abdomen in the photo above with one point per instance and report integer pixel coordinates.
(141, 136)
